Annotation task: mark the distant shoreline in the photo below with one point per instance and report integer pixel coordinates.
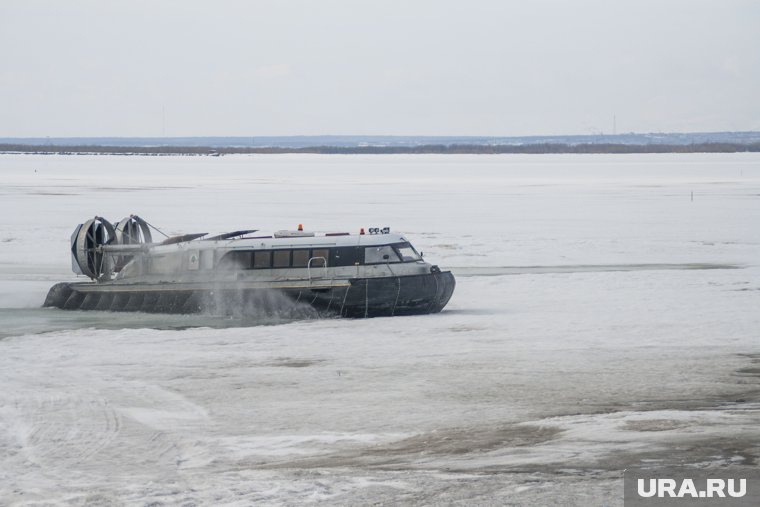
(455, 149)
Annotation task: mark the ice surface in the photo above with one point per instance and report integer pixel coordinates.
(602, 319)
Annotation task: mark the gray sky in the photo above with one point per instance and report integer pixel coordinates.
(118, 68)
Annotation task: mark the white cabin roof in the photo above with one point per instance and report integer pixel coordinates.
(266, 241)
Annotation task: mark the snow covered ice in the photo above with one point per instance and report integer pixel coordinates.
(603, 318)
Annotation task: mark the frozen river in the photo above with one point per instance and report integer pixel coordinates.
(607, 315)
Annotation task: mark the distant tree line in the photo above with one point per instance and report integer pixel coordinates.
(358, 150)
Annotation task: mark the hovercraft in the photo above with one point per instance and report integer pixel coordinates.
(342, 274)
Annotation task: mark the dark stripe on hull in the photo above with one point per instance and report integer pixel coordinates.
(364, 297)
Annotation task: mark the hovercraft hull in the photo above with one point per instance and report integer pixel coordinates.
(358, 297)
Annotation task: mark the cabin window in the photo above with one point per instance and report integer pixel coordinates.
(281, 259)
(319, 257)
(236, 260)
(339, 256)
(300, 258)
(407, 252)
(345, 256)
(380, 254)
(262, 259)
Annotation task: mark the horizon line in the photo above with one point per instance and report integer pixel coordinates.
(433, 136)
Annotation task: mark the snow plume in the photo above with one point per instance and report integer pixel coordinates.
(258, 304)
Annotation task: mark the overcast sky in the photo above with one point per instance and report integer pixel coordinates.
(469, 67)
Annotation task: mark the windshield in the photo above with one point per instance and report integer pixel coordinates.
(407, 252)
(380, 254)
(398, 252)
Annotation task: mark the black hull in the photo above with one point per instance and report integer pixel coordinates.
(364, 297)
